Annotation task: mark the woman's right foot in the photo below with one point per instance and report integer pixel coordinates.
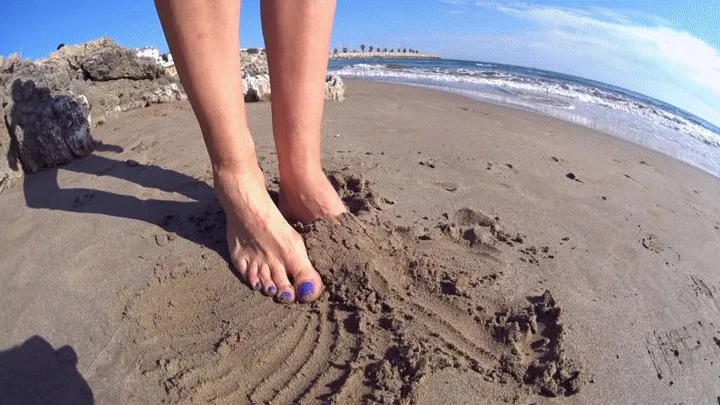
(267, 252)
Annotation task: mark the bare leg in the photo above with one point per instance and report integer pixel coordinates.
(297, 36)
(204, 38)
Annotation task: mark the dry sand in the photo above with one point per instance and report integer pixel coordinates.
(496, 256)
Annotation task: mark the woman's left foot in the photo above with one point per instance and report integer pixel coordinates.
(310, 197)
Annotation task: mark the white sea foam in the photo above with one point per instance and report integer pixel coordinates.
(529, 91)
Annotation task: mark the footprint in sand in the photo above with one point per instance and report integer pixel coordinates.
(501, 168)
(447, 185)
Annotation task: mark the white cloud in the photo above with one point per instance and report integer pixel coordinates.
(612, 46)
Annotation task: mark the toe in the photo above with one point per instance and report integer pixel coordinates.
(307, 282)
(242, 267)
(252, 275)
(268, 285)
(285, 290)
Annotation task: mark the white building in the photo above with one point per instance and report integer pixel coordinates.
(154, 53)
(149, 52)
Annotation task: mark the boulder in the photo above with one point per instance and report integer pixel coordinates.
(257, 88)
(334, 88)
(118, 63)
(46, 129)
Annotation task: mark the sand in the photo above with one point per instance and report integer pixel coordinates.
(493, 256)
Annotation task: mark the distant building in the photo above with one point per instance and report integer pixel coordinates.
(166, 60)
(149, 52)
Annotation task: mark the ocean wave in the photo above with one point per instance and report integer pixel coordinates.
(545, 90)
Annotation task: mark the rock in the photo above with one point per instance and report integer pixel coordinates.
(257, 88)
(120, 63)
(107, 99)
(254, 62)
(47, 129)
(103, 60)
(334, 88)
(10, 171)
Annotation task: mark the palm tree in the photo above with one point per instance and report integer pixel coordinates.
(392, 50)
(362, 47)
(370, 48)
(335, 51)
(404, 50)
(344, 49)
(384, 49)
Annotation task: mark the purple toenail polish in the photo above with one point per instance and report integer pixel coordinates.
(258, 286)
(286, 296)
(305, 290)
(272, 289)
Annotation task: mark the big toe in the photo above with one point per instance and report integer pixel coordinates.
(308, 284)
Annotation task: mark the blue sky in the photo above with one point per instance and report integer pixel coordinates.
(666, 49)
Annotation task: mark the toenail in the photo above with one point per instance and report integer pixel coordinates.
(286, 296)
(258, 285)
(306, 290)
(272, 289)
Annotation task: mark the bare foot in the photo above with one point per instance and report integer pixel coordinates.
(263, 247)
(307, 198)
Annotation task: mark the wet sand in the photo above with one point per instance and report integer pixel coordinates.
(493, 256)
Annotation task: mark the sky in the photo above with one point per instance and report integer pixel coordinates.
(669, 50)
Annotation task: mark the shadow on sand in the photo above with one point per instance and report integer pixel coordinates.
(200, 221)
(35, 373)
(36, 111)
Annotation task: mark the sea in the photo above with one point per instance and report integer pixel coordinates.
(637, 118)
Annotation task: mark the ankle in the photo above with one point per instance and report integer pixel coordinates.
(302, 178)
(233, 182)
(231, 169)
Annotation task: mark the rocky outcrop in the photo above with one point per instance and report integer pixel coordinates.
(103, 60)
(48, 106)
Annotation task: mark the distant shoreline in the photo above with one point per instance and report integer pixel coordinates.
(380, 55)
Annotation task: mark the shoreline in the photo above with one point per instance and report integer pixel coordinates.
(578, 120)
(381, 55)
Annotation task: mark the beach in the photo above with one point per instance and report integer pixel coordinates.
(501, 256)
